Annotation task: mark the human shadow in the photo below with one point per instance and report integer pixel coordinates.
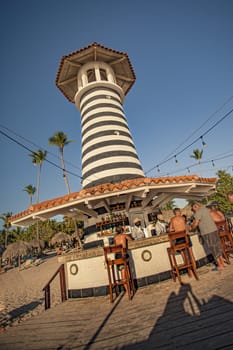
(190, 323)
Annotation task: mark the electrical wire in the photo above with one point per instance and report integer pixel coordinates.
(38, 146)
(34, 144)
(30, 150)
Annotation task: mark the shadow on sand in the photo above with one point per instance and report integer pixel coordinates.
(23, 310)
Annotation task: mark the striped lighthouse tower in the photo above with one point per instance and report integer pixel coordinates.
(97, 79)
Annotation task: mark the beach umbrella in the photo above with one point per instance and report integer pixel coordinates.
(60, 237)
(16, 249)
(77, 234)
(39, 244)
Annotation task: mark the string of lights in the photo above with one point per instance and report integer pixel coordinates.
(188, 167)
(192, 143)
(155, 167)
(201, 126)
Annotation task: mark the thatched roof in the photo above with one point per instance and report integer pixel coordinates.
(16, 249)
(60, 237)
(35, 243)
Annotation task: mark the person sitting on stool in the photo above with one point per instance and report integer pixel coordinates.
(122, 238)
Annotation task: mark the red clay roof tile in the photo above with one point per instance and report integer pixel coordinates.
(106, 188)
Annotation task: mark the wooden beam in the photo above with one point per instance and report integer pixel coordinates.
(72, 63)
(122, 77)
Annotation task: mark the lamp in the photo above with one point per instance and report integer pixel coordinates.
(203, 142)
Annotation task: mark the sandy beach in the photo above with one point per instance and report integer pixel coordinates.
(21, 294)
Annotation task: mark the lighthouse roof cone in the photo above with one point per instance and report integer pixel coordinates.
(97, 79)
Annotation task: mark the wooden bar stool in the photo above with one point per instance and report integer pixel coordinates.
(180, 257)
(117, 260)
(226, 239)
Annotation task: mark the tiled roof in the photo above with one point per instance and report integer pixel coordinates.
(97, 46)
(111, 188)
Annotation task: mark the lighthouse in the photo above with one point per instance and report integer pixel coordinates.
(97, 79)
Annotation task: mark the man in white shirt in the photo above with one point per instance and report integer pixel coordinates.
(160, 226)
(137, 230)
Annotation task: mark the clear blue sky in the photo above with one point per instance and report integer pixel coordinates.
(182, 54)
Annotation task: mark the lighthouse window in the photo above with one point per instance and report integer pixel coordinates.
(103, 74)
(91, 75)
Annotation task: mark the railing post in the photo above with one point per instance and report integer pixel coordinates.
(46, 289)
(63, 283)
(47, 297)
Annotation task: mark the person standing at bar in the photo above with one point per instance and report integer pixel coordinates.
(215, 212)
(137, 229)
(209, 232)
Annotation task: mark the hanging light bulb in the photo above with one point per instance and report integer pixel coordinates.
(158, 169)
(188, 170)
(212, 163)
(203, 142)
(176, 160)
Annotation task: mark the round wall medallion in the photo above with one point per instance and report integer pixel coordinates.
(146, 255)
(73, 269)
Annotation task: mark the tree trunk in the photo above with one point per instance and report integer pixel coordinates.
(64, 171)
(38, 184)
(37, 231)
(6, 237)
(76, 231)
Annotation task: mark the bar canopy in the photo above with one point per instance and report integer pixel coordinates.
(151, 192)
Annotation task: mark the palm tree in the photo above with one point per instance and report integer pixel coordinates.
(37, 158)
(5, 217)
(197, 154)
(30, 190)
(59, 139)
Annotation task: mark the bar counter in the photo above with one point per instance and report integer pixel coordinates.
(87, 275)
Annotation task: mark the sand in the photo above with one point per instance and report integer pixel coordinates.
(21, 294)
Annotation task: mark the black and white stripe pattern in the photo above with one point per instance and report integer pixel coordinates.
(108, 151)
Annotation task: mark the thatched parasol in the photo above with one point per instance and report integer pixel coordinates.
(16, 249)
(60, 237)
(37, 244)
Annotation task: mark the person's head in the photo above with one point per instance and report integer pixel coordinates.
(137, 222)
(160, 217)
(230, 196)
(213, 206)
(195, 206)
(177, 211)
(119, 229)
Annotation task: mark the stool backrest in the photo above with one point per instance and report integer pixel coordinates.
(222, 225)
(115, 249)
(177, 239)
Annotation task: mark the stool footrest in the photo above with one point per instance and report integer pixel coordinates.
(181, 251)
(119, 272)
